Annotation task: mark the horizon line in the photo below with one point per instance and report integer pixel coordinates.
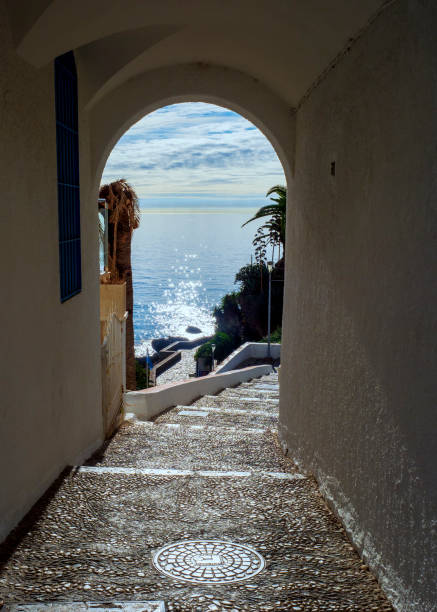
(185, 210)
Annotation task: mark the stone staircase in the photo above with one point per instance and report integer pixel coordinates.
(196, 511)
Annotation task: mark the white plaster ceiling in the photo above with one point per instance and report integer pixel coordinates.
(285, 44)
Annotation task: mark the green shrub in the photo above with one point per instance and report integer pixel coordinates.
(141, 375)
(275, 337)
(253, 279)
(242, 315)
(223, 347)
(228, 317)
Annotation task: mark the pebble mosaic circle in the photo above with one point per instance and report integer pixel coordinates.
(208, 561)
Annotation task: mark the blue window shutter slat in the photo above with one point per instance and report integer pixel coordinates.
(67, 146)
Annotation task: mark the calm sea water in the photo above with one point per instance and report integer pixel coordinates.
(184, 261)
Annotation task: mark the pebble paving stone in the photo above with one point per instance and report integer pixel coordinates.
(261, 392)
(225, 413)
(138, 606)
(181, 370)
(93, 536)
(147, 446)
(242, 400)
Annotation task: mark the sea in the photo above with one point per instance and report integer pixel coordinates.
(185, 255)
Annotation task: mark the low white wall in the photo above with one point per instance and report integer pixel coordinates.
(113, 356)
(150, 402)
(249, 350)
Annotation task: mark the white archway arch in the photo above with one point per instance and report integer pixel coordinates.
(112, 116)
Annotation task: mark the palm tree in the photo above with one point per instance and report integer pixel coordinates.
(124, 217)
(277, 211)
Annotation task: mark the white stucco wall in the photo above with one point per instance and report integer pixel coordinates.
(358, 380)
(50, 410)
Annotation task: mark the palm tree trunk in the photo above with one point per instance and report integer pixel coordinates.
(124, 218)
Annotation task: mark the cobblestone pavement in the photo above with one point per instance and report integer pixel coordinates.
(181, 370)
(104, 533)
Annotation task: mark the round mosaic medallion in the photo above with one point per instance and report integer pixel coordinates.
(208, 561)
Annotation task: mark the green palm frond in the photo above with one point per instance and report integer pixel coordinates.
(280, 190)
(276, 210)
(264, 211)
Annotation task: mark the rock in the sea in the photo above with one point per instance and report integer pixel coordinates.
(191, 329)
(159, 343)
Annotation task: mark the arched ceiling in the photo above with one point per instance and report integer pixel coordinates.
(285, 44)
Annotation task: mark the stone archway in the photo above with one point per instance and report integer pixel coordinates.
(115, 113)
(112, 115)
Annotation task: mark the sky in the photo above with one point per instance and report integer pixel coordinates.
(195, 150)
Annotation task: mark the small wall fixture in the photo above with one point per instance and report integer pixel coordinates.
(333, 168)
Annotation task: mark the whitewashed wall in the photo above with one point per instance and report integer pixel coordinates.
(358, 378)
(50, 408)
(113, 355)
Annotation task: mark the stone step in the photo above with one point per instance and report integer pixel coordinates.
(236, 402)
(247, 391)
(262, 389)
(247, 396)
(136, 471)
(221, 417)
(225, 407)
(194, 448)
(242, 397)
(187, 427)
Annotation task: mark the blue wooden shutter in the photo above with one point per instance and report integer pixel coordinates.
(67, 147)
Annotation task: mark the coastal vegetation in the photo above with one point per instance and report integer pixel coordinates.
(224, 345)
(142, 377)
(272, 232)
(276, 336)
(241, 315)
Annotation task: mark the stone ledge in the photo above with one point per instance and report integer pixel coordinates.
(148, 403)
(248, 350)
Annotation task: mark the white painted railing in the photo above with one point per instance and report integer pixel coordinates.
(148, 403)
(113, 356)
(249, 350)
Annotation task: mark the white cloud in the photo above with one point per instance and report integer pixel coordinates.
(195, 148)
